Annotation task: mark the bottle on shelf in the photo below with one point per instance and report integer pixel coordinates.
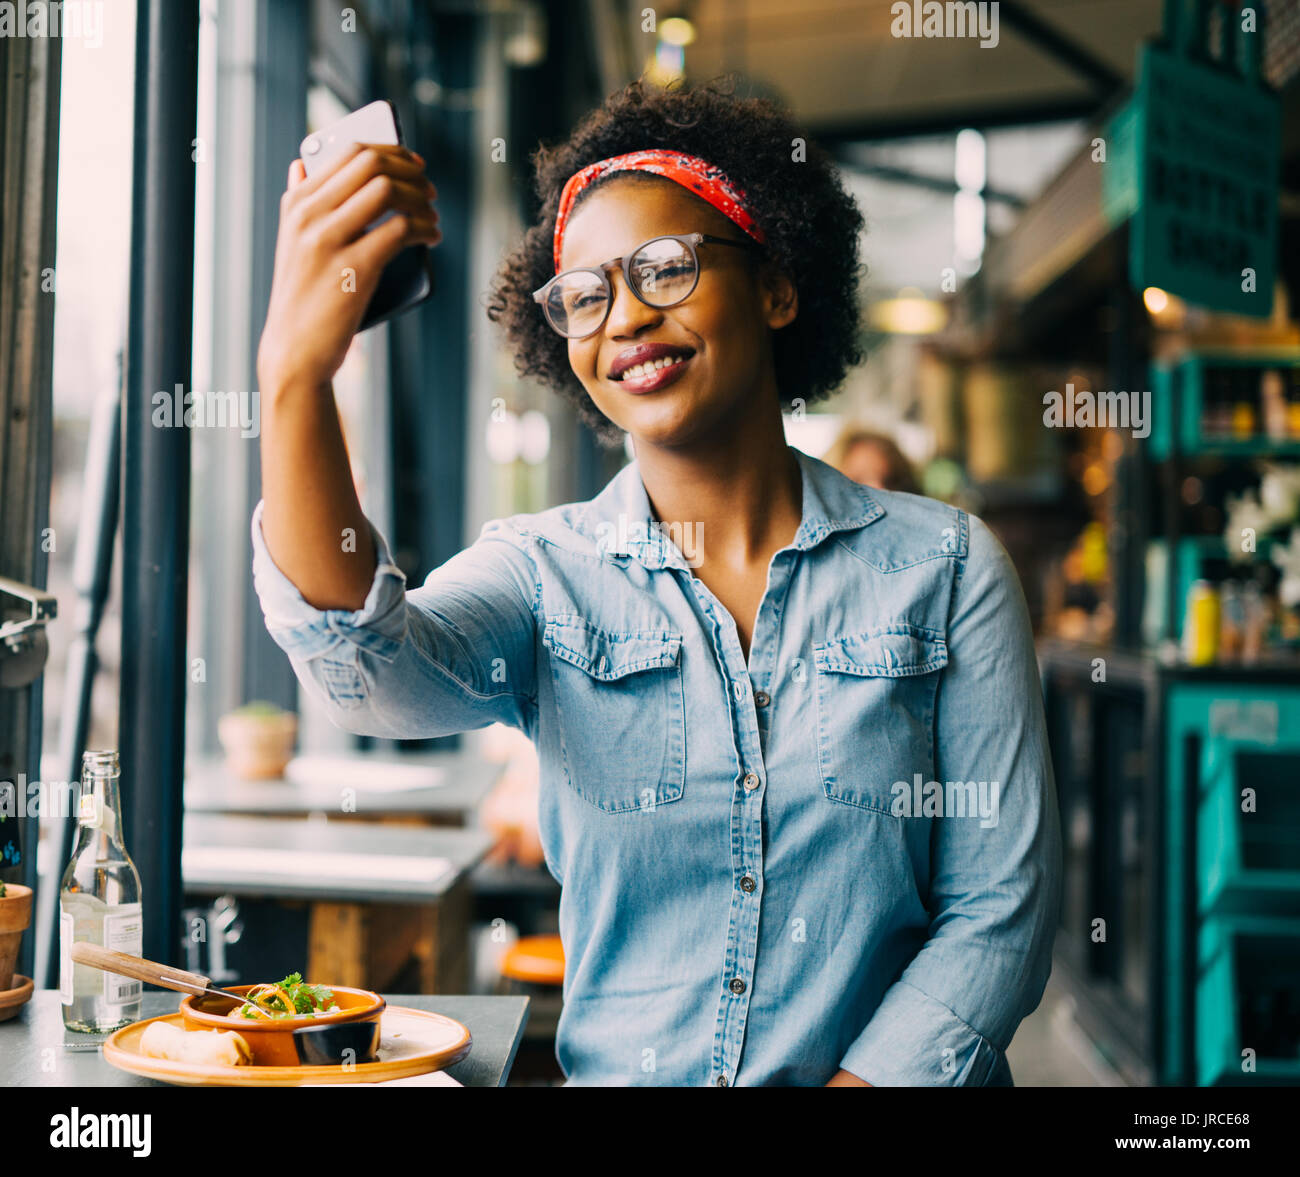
(1232, 622)
(99, 903)
(1272, 389)
(1244, 415)
(1255, 617)
(1221, 398)
(1201, 624)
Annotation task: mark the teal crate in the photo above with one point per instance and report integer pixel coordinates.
(1248, 997)
(1257, 713)
(1249, 862)
(1178, 390)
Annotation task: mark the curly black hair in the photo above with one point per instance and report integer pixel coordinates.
(811, 223)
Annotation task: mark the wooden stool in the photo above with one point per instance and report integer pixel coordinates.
(534, 966)
(535, 960)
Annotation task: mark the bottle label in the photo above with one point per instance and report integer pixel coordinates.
(123, 932)
(67, 930)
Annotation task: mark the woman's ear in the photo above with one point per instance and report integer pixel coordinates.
(780, 299)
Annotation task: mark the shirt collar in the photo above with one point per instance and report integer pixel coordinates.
(620, 522)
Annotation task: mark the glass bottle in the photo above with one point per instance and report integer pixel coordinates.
(1201, 624)
(1272, 388)
(1244, 414)
(1232, 622)
(99, 902)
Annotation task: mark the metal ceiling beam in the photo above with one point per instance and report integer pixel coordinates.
(1055, 44)
(943, 122)
(878, 171)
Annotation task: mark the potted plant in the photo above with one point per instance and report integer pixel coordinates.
(15, 915)
(258, 739)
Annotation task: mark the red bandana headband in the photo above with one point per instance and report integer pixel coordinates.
(692, 173)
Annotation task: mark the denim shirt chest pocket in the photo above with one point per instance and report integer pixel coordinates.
(875, 710)
(622, 712)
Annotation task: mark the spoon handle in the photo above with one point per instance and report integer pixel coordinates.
(110, 961)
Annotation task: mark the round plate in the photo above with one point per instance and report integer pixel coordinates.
(411, 1042)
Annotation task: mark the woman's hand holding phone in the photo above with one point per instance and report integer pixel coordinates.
(327, 265)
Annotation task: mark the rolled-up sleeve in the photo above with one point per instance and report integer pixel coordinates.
(458, 653)
(995, 883)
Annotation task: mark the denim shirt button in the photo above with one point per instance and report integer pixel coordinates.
(762, 698)
(737, 985)
(747, 884)
(751, 782)
(722, 1080)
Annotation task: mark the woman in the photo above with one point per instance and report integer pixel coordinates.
(795, 781)
(872, 459)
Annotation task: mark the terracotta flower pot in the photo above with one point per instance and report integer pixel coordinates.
(15, 915)
(258, 747)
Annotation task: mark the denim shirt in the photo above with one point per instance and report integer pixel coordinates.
(841, 852)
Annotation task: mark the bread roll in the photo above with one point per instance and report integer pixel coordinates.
(204, 1047)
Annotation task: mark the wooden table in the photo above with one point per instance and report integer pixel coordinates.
(377, 894)
(460, 782)
(36, 1050)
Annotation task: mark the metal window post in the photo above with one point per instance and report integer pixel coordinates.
(30, 70)
(156, 461)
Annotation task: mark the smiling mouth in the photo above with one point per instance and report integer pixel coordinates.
(641, 371)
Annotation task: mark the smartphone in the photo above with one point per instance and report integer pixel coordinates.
(408, 279)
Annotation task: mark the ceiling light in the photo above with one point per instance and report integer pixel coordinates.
(677, 30)
(911, 313)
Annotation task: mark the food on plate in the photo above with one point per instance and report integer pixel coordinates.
(204, 1047)
(290, 998)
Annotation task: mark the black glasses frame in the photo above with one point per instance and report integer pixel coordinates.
(692, 241)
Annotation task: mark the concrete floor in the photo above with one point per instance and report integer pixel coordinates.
(1050, 1050)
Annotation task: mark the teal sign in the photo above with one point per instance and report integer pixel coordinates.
(1194, 160)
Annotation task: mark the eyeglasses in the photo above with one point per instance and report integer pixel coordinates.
(661, 273)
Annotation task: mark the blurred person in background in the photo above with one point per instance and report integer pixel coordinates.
(510, 809)
(873, 459)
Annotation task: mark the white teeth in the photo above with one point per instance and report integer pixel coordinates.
(639, 370)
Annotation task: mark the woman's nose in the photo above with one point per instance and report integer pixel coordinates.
(628, 314)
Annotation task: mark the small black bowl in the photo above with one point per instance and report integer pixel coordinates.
(331, 1045)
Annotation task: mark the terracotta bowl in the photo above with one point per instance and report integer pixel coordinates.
(12, 1000)
(15, 915)
(271, 1040)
